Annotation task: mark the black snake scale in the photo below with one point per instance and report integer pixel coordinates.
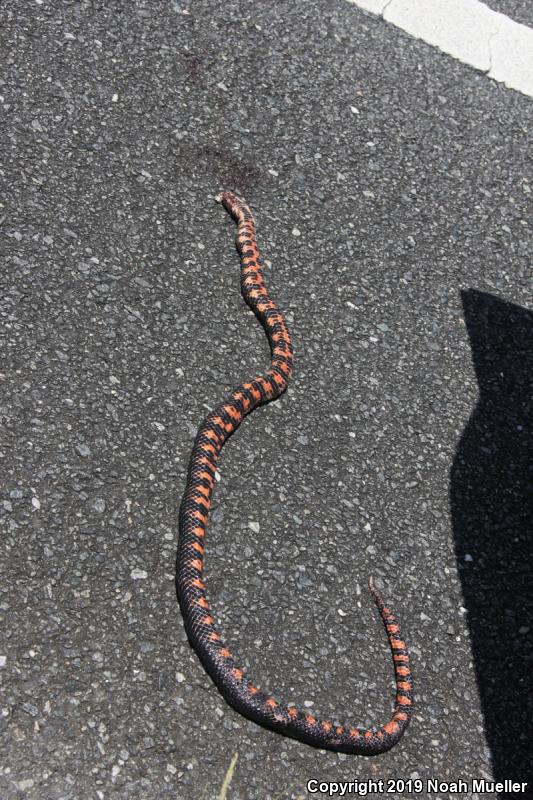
(217, 659)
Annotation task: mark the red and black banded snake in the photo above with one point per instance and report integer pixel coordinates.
(233, 683)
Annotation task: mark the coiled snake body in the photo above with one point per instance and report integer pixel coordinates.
(217, 659)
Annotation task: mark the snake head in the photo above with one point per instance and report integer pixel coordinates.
(232, 204)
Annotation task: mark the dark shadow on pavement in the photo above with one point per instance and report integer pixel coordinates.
(491, 497)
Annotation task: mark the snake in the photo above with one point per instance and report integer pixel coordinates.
(218, 660)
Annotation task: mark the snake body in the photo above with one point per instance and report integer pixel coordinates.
(231, 680)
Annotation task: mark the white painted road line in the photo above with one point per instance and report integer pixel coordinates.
(469, 31)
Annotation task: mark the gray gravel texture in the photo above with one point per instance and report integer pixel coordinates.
(519, 10)
(386, 178)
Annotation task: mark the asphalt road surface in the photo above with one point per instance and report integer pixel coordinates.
(519, 10)
(392, 188)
